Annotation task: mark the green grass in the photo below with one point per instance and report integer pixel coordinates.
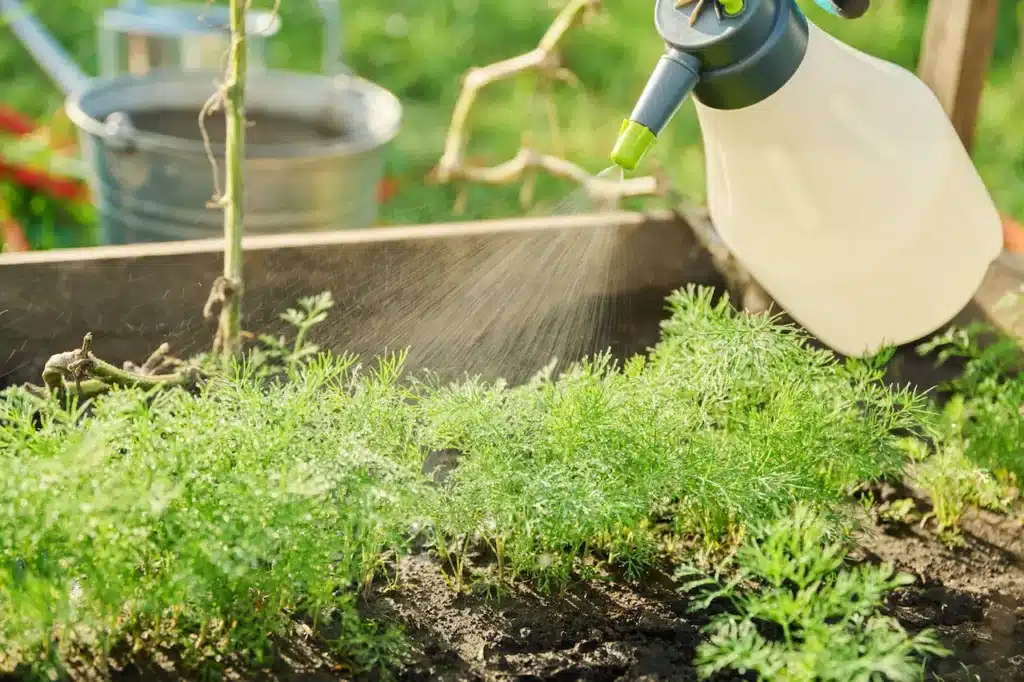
(437, 41)
(212, 523)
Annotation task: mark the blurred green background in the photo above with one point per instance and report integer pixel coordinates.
(420, 49)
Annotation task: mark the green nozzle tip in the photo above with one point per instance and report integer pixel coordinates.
(634, 141)
(732, 7)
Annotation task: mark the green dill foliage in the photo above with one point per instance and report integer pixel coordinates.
(275, 352)
(204, 523)
(953, 481)
(991, 389)
(809, 618)
(211, 523)
(731, 418)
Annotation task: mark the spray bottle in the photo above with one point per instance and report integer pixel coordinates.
(836, 178)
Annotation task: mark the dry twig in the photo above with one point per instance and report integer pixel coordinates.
(545, 60)
(604, 192)
(87, 376)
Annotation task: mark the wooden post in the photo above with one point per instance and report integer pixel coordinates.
(955, 55)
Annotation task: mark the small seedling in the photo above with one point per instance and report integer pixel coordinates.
(809, 618)
(952, 479)
(274, 354)
(902, 510)
(954, 484)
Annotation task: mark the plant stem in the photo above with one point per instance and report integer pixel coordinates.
(230, 326)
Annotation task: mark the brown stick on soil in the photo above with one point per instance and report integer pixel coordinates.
(545, 60)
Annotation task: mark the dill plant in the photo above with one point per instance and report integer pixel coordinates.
(203, 523)
(730, 419)
(975, 456)
(951, 478)
(991, 391)
(211, 522)
(804, 616)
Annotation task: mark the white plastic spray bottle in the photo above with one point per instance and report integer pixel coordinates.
(834, 177)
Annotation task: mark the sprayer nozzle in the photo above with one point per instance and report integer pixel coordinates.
(631, 146)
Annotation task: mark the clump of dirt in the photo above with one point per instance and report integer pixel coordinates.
(972, 596)
(971, 593)
(595, 631)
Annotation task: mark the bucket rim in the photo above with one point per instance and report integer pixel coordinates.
(369, 140)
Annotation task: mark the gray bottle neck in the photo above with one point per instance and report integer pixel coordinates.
(745, 58)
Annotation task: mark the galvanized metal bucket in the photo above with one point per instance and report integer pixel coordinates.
(152, 183)
(151, 186)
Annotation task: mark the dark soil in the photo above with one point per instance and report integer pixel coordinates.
(971, 593)
(598, 631)
(973, 596)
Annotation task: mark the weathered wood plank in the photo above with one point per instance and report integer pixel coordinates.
(1001, 296)
(518, 287)
(523, 291)
(955, 55)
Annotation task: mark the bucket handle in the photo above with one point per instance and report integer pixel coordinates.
(330, 15)
(50, 56)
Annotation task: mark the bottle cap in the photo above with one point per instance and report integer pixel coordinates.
(745, 55)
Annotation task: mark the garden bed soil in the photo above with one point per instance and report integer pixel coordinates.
(972, 595)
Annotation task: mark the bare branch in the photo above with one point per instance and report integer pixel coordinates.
(598, 189)
(541, 58)
(524, 166)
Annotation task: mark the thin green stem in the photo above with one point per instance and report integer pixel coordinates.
(230, 324)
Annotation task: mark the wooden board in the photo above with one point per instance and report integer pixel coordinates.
(496, 298)
(955, 55)
(1001, 295)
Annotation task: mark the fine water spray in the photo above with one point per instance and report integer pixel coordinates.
(835, 177)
